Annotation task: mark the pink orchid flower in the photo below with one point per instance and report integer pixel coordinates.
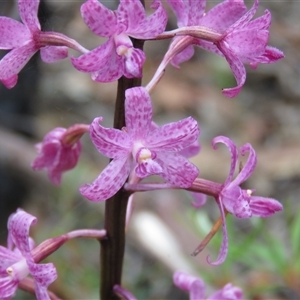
(118, 57)
(237, 201)
(16, 261)
(196, 288)
(241, 40)
(59, 151)
(24, 40)
(141, 148)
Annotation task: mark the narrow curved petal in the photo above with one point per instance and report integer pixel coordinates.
(134, 62)
(195, 11)
(28, 11)
(249, 166)
(101, 20)
(223, 15)
(233, 154)
(111, 142)
(180, 11)
(177, 170)
(138, 112)
(18, 226)
(109, 182)
(96, 59)
(236, 67)
(152, 26)
(183, 56)
(224, 246)
(264, 207)
(175, 136)
(13, 33)
(12, 63)
(51, 54)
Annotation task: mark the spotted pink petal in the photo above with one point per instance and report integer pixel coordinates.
(18, 227)
(147, 168)
(261, 23)
(111, 142)
(96, 59)
(138, 116)
(13, 33)
(28, 11)
(195, 11)
(192, 150)
(109, 182)
(224, 245)
(177, 170)
(151, 26)
(175, 136)
(14, 61)
(51, 54)
(223, 15)
(101, 20)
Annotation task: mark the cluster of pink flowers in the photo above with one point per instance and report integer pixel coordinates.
(141, 148)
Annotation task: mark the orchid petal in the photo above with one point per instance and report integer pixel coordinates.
(96, 59)
(152, 26)
(44, 274)
(138, 112)
(199, 199)
(111, 142)
(134, 62)
(183, 56)
(262, 22)
(194, 285)
(7, 258)
(245, 19)
(15, 60)
(101, 20)
(51, 54)
(195, 11)
(228, 292)
(28, 11)
(237, 68)
(241, 208)
(19, 225)
(177, 170)
(109, 182)
(175, 136)
(147, 168)
(249, 166)
(191, 150)
(270, 55)
(223, 15)
(248, 43)
(224, 246)
(264, 207)
(13, 33)
(10, 82)
(233, 153)
(180, 11)
(131, 13)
